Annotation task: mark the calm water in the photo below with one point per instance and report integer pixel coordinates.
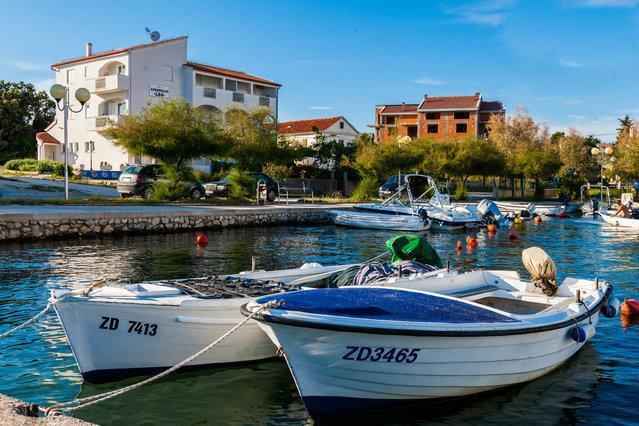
(600, 384)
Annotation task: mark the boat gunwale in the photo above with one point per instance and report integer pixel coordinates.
(265, 317)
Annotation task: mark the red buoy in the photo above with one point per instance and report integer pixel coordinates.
(491, 228)
(511, 234)
(471, 241)
(630, 307)
(563, 214)
(459, 245)
(201, 239)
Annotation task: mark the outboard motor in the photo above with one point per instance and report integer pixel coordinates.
(423, 214)
(595, 205)
(489, 212)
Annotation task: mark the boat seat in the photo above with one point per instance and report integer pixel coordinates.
(475, 291)
(559, 305)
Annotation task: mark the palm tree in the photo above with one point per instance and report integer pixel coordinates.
(626, 124)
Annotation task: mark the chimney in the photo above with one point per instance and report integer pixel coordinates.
(403, 104)
(88, 49)
(477, 93)
(425, 95)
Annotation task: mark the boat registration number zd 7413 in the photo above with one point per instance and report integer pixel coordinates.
(145, 328)
(365, 353)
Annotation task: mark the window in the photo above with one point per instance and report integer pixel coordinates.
(77, 147)
(432, 128)
(167, 73)
(265, 101)
(86, 111)
(462, 115)
(411, 131)
(390, 120)
(238, 97)
(121, 108)
(122, 70)
(231, 85)
(341, 141)
(87, 72)
(137, 159)
(341, 124)
(70, 76)
(209, 92)
(305, 143)
(461, 128)
(432, 116)
(87, 146)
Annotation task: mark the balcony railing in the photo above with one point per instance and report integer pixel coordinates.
(238, 97)
(209, 92)
(111, 83)
(103, 122)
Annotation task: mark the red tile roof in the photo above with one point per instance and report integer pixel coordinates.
(490, 106)
(230, 73)
(306, 126)
(114, 52)
(46, 139)
(399, 109)
(449, 102)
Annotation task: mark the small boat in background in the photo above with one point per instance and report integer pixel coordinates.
(371, 220)
(624, 222)
(361, 348)
(591, 206)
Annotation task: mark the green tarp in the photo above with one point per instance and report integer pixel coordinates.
(413, 247)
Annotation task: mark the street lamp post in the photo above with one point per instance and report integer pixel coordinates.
(61, 93)
(603, 157)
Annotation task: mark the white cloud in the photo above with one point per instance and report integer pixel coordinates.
(25, 66)
(321, 108)
(486, 13)
(573, 102)
(569, 63)
(605, 3)
(427, 81)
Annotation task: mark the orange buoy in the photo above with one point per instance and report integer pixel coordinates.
(471, 241)
(459, 245)
(630, 307)
(491, 228)
(201, 239)
(537, 219)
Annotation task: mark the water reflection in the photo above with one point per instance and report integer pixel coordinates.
(37, 364)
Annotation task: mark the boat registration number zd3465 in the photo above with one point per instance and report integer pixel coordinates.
(365, 353)
(145, 328)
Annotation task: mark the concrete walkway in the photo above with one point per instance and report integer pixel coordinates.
(28, 187)
(19, 212)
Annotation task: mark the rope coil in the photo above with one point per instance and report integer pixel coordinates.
(77, 404)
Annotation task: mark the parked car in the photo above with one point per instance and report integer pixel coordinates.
(389, 187)
(139, 179)
(221, 187)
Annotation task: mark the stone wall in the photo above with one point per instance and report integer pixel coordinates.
(86, 227)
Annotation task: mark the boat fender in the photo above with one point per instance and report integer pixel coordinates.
(518, 221)
(630, 307)
(582, 333)
(201, 239)
(611, 308)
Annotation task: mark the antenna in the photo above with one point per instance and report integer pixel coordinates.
(155, 36)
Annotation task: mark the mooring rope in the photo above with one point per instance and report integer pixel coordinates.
(29, 321)
(77, 404)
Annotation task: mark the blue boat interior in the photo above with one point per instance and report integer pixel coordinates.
(385, 304)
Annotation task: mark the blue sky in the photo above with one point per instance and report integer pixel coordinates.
(570, 63)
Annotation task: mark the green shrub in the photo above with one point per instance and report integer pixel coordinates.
(58, 169)
(460, 192)
(278, 171)
(19, 163)
(169, 191)
(33, 165)
(367, 189)
(242, 185)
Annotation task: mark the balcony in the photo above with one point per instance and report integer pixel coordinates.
(225, 99)
(103, 122)
(111, 83)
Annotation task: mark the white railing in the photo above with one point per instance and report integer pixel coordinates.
(111, 83)
(238, 97)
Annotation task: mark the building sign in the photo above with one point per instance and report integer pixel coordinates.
(159, 91)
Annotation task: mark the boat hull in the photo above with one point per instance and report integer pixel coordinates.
(624, 222)
(396, 222)
(108, 344)
(332, 380)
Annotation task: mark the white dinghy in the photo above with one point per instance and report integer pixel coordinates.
(371, 220)
(359, 348)
(624, 222)
(117, 331)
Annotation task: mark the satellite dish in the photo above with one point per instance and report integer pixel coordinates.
(155, 36)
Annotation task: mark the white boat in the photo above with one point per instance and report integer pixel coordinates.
(624, 222)
(372, 220)
(358, 348)
(443, 214)
(117, 331)
(591, 205)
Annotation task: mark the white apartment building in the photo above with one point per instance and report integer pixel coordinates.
(123, 81)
